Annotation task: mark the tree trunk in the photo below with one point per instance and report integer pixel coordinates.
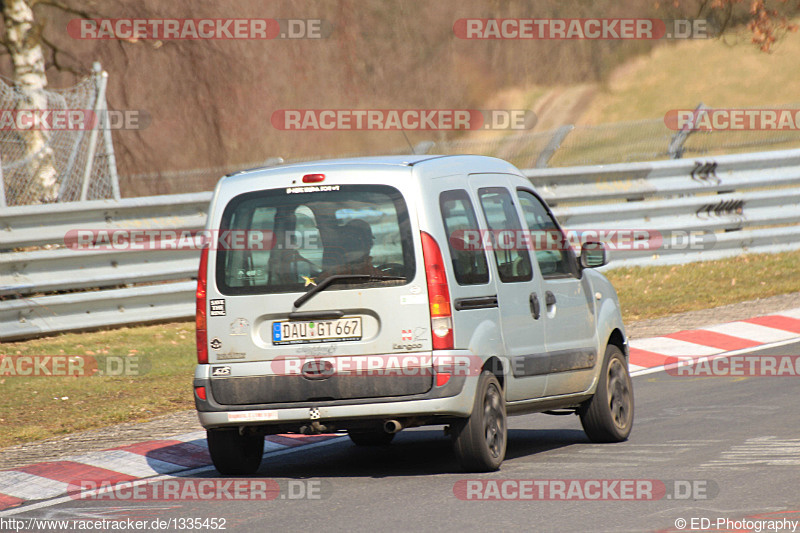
(27, 57)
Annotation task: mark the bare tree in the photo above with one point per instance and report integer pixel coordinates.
(767, 20)
(23, 42)
(26, 45)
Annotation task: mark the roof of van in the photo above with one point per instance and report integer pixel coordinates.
(393, 160)
(463, 162)
(406, 160)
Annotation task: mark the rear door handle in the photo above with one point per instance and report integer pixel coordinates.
(535, 310)
(550, 299)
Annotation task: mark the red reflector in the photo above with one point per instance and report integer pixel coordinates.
(441, 380)
(201, 392)
(313, 178)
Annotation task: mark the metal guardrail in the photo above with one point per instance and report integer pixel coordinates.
(728, 205)
(734, 204)
(116, 286)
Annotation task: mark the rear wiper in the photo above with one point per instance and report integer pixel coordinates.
(337, 278)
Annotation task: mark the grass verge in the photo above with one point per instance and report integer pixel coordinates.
(34, 408)
(652, 292)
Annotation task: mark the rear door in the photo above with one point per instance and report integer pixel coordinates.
(568, 311)
(308, 234)
(518, 289)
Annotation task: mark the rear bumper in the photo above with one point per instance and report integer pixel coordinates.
(454, 399)
(455, 406)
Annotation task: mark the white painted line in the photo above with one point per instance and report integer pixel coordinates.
(760, 450)
(30, 487)
(187, 437)
(635, 368)
(753, 332)
(661, 368)
(270, 446)
(673, 347)
(791, 313)
(132, 464)
(198, 438)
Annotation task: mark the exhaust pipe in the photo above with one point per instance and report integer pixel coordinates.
(392, 426)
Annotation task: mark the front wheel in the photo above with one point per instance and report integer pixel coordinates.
(608, 415)
(480, 440)
(234, 454)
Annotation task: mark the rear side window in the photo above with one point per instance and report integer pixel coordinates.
(280, 240)
(469, 262)
(513, 262)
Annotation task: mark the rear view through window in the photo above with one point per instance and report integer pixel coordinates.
(298, 239)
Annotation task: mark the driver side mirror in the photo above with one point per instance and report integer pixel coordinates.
(593, 255)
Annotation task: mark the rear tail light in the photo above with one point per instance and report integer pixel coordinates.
(201, 393)
(438, 294)
(200, 314)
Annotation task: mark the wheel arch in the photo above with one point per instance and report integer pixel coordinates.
(617, 338)
(495, 366)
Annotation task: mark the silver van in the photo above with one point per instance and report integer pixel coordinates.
(376, 294)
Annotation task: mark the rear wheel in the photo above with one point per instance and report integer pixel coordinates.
(370, 437)
(234, 454)
(480, 440)
(608, 415)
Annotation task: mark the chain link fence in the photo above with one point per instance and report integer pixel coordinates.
(48, 162)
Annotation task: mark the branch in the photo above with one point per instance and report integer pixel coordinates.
(727, 19)
(702, 7)
(56, 50)
(62, 6)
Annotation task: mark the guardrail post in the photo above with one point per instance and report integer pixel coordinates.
(675, 149)
(100, 82)
(423, 148)
(555, 142)
(109, 145)
(2, 187)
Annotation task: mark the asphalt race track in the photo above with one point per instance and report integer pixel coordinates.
(713, 447)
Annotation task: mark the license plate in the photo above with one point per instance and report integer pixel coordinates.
(308, 332)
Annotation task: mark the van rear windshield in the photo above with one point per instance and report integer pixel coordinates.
(282, 240)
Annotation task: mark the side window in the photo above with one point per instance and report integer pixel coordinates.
(460, 223)
(552, 248)
(243, 267)
(513, 262)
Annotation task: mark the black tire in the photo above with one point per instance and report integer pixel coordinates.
(370, 437)
(480, 440)
(234, 454)
(608, 415)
